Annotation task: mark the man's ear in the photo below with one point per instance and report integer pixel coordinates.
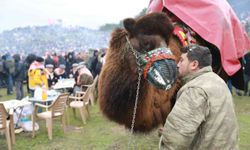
(195, 65)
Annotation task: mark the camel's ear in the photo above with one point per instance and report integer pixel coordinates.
(129, 25)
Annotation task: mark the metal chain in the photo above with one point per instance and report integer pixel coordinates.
(135, 108)
(135, 53)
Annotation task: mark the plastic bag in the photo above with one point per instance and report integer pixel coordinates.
(27, 126)
(38, 92)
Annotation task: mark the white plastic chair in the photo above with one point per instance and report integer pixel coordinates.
(55, 110)
(7, 125)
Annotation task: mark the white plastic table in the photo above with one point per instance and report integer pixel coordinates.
(15, 104)
(64, 84)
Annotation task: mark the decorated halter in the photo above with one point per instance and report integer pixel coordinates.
(158, 66)
(184, 34)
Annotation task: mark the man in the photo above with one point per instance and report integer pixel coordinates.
(9, 69)
(19, 76)
(50, 75)
(203, 117)
(92, 63)
(60, 72)
(73, 70)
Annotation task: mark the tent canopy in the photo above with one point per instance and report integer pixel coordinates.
(216, 22)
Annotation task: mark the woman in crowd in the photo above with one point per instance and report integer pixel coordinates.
(37, 75)
(83, 77)
(60, 73)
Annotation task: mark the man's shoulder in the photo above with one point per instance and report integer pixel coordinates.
(209, 76)
(206, 77)
(206, 80)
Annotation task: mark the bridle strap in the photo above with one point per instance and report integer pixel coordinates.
(156, 58)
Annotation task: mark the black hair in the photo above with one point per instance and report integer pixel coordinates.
(39, 59)
(30, 58)
(17, 57)
(200, 53)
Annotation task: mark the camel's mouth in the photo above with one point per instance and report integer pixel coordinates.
(157, 65)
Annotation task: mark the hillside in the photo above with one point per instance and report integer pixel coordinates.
(39, 39)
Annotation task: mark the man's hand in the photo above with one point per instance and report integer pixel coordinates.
(160, 130)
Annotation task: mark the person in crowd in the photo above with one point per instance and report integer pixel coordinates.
(37, 75)
(203, 116)
(62, 59)
(60, 72)
(28, 61)
(50, 75)
(70, 60)
(55, 60)
(93, 62)
(2, 74)
(9, 69)
(48, 59)
(73, 70)
(246, 62)
(79, 58)
(19, 76)
(83, 77)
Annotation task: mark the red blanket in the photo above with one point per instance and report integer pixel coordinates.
(216, 22)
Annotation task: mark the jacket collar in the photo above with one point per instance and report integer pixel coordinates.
(191, 76)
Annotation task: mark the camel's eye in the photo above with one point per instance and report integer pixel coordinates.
(145, 43)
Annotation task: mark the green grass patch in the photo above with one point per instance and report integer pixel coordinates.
(101, 134)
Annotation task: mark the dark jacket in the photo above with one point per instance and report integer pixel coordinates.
(19, 74)
(247, 64)
(9, 65)
(92, 63)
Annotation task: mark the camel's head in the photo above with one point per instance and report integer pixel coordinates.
(148, 37)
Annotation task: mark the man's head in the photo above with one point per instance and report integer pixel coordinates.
(193, 58)
(81, 65)
(95, 53)
(62, 68)
(50, 67)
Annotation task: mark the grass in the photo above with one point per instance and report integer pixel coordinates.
(102, 134)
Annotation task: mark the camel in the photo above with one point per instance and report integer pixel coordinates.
(118, 79)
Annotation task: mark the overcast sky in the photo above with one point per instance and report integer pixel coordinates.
(88, 13)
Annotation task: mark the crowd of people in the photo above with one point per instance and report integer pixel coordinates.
(245, 20)
(45, 71)
(56, 38)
